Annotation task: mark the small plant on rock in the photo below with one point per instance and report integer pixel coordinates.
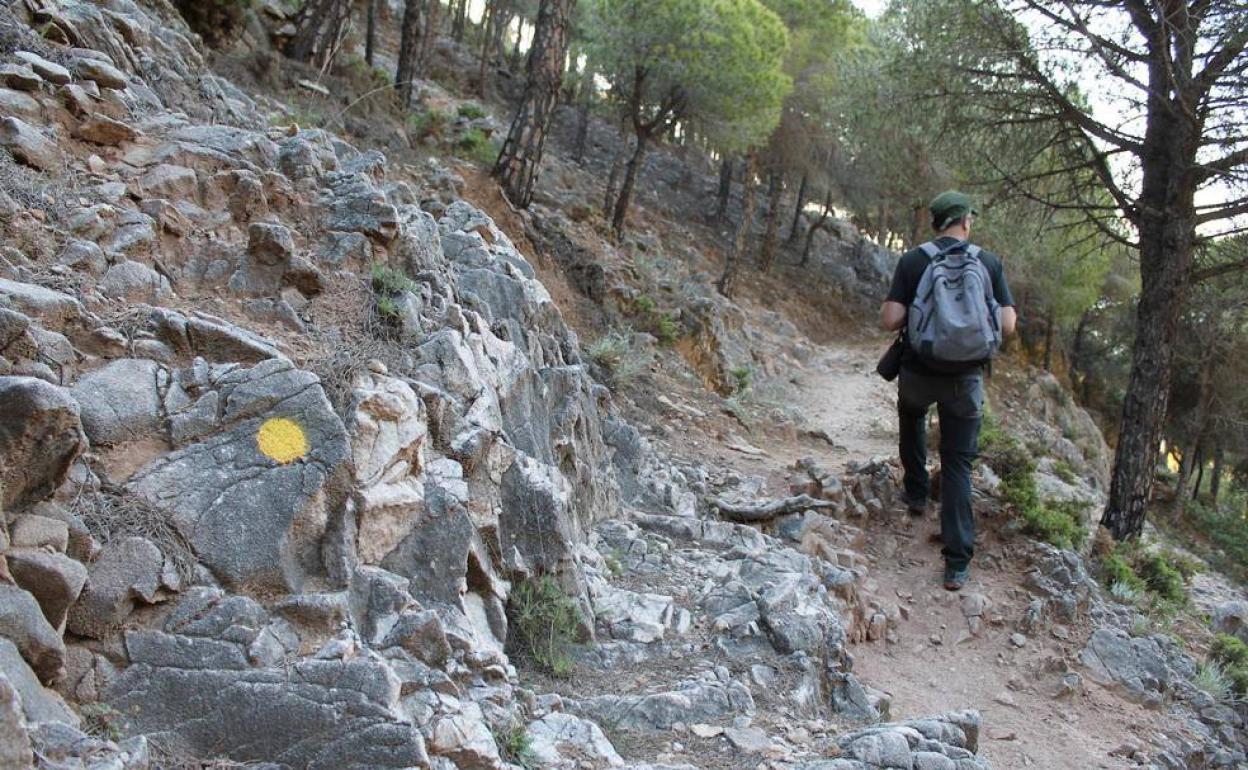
(1161, 577)
(471, 111)
(432, 123)
(1064, 471)
(545, 624)
(618, 357)
(513, 744)
(1212, 679)
(101, 720)
(1231, 654)
(475, 146)
(742, 378)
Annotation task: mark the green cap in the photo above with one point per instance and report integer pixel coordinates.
(949, 207)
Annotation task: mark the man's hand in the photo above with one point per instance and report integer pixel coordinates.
(893, 316)
(1009, 320)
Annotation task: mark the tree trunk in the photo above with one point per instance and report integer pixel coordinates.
(513, 62)
(1048, 340)
(613, 178)
(503, 14)
(460, 22)
(1167, 231)
(725, 188)
(1200, 476)
(487, 27)
(409, 52)
(626, 189)
(767, 253)
(1215, 480)
(584, 96)
(317, 30)
(1078, 364)
(795, 228)
(521, 156)
(433, 10)
(370, 34)
(727, 284)
(814, 228)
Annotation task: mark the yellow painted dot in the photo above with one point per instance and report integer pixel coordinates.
(281, 439)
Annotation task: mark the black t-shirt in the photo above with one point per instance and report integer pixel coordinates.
(906, 284)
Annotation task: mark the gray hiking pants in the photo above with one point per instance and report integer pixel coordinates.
(959, 402)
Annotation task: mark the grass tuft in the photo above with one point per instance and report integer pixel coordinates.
(545, 623)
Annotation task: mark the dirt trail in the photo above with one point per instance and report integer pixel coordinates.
(933, 662)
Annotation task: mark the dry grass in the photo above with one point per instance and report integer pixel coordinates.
(111, 515)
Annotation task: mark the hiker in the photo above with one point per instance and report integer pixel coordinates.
(948, 338)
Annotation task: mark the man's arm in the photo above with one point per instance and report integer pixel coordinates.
(892, 315)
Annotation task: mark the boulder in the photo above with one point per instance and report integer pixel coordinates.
(126, 572)
(1231, 618)
(254, 498)
(101, 72)
(690, 702)
(49, 71)
(15, 752)
(20, 76)
(33, 531)
(135, 282)
(37, 703)
(466, 741)
(270, 244)
(564, 741)
(19, 104)
(40, 438)
(52, 307)
(120, 401)
(388, 440)
(29, 145)
(101, 129)
(1135, 666)
(351, 707)
(422, 635)
(23, 623)
(169, 181)
(215, 339)
(54, 579)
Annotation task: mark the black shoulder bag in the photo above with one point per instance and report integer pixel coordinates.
(889, 365)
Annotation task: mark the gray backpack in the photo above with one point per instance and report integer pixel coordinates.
(954, 318)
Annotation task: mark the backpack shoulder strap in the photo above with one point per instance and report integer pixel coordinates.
(930, 249)
(973, 251)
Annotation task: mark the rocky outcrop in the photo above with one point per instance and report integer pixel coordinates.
(40, 437)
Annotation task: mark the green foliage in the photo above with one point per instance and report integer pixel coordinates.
(470, 110)
(1226, 527)
(388, 308)
(515, 748)
(1212, 679)
(742, 378)
(545, 623)
(1115, 572)
(218, 22)
(616, 353)
(431, 123)
(1063, 469)
(650, 319)
(390, 281)
(1161, 577)
(1231, 655)
(475, 146)
(1055, 522)
(713, 65)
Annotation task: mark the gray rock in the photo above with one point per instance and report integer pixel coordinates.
(466, 741)
(1136, 665)
(213, 338)
(565, 741)
(21, 105)
(270, 244)
(103, 73)
(691, 702)
(1231, 618)
(352, 708)
(253, 497)
(21, 77)
(120, 401)
(37, 704)
(134, 281)
(101, 129)
(52, 307)
(127, 571)
(33, 531)
(15, 752)
(23, 623)
(49, 71)
(29, 145)
(169, 181)
(422, 635)
(63, 745)
(354, 205)
(54, 579)
(40, 438)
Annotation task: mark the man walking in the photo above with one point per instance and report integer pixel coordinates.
(952, 298)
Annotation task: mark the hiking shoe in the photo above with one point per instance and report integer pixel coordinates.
(917, 511)
(956, 578)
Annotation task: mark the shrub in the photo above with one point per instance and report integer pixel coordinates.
(475, 146)
(666, 329)
(514, 746)
(1226, 526)
(390, 281)
(1231, 654)
(218, 22)
(1213, 680)
(1064, 471)
(1115, 571)
(471, 110)
(1056, 523)
(545, 623)
(430, 123)
(742, 377)
(614, 352)
(1161, 578)
(101, 720)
